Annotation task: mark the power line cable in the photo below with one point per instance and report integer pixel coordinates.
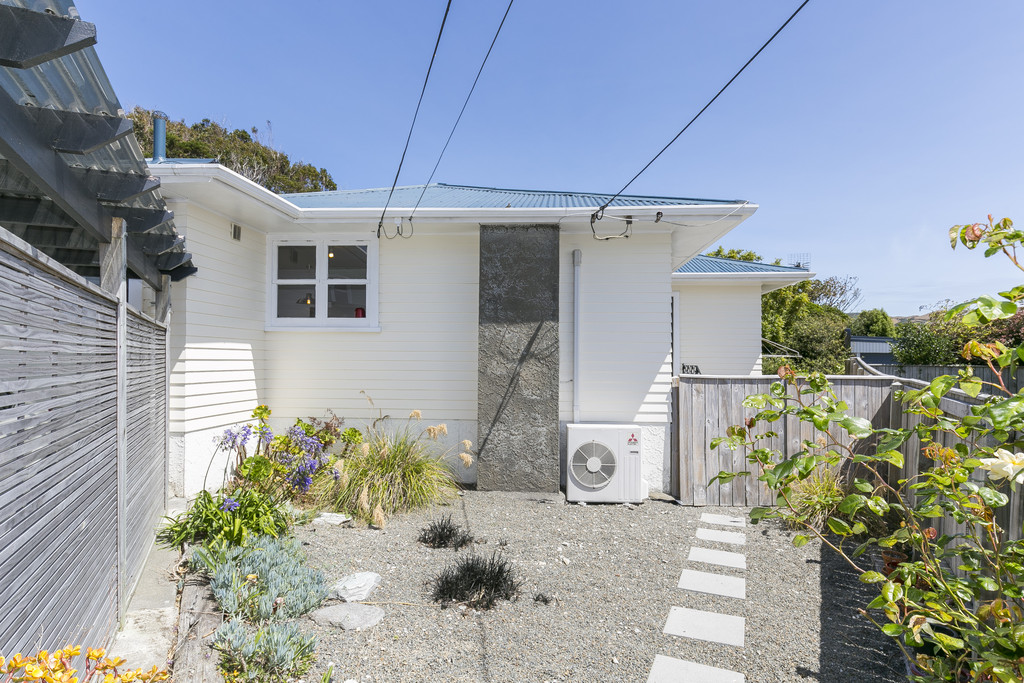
(463, 110)
(380, 224)
(600, 212)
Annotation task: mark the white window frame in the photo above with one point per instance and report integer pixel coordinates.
(321, 322)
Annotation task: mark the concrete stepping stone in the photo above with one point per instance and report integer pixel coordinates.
(722, 558)
(719, 536)
(710, 626)
(348, 616)
(672, 670)
(722, 520)
(355, 587)
(715, 584)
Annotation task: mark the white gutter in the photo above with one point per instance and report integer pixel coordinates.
(577, 261)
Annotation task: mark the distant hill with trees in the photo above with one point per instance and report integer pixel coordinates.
(242, 151)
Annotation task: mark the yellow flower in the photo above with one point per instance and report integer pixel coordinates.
(1005, 465)
(33, 672)
(72, 651)
(98, 653)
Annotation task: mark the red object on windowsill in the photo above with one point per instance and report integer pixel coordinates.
(360, 312)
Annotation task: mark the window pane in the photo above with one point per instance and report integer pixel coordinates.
(296, 262)
(346, 262)
(346, 301)
(296, 301)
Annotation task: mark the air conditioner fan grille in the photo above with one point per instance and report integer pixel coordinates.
(593, 465)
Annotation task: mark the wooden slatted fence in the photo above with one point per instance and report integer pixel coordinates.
(60, 579)
(708, 405)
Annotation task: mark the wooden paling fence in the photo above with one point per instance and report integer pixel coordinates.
(707, 405)
(83, 441)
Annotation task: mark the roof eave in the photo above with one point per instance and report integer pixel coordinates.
(768, 281)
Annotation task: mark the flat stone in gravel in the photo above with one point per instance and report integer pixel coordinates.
(332, 518)
(355, 587)
(350, 616)
(671, 670)
(695, 623)
(716, 584)
(720, 557)
(719, 536)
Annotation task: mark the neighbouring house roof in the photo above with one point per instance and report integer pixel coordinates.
(441, 195)
(716, 264)
(69, 163)
(712, 269)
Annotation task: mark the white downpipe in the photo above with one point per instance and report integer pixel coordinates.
(577, 259)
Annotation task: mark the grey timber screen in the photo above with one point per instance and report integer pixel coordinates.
(58, 456)
(78, 505)
(146, 452)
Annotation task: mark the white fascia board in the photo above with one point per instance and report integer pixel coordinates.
(175, 179)
(768, 281)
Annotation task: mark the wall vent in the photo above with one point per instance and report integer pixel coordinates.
(236, 232)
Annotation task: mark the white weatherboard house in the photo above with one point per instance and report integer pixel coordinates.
(498, 312)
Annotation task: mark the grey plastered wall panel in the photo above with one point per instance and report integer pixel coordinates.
(517, 393)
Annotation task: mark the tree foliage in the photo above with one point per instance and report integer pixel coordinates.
(874, 322)
(243, 151)
(937, 341)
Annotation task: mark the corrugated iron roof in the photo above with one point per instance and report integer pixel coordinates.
(443, 196)
(715, 264)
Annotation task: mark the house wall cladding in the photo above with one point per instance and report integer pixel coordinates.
(59, 504)
(519, 359)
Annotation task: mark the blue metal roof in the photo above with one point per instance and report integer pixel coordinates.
(715, 264)
(442, 196)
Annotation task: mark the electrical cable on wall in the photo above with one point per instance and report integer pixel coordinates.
(380, 223)
(463, 110)
(599, 214)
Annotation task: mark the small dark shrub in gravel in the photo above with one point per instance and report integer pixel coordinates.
(444, 533)
(543, 598)
(476, 581)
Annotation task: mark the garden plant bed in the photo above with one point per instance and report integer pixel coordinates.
(613, 572)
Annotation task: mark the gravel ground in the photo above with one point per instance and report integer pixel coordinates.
(613, 597)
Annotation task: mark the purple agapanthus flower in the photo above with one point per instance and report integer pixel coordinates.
(229, 505)
(236, 437)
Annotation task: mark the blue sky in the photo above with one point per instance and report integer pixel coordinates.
(863, 132)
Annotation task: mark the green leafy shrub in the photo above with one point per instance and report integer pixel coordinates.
(275, 653)
(476, 581)
(397, 468)
(444, 533)
(232, 519)
(954, 598)
(266, 581)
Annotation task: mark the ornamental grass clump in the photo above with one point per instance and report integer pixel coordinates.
(953, 599)
(395, 469)
(444, 533)
(265, 582)
(476, 582)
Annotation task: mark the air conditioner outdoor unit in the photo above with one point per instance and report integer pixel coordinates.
(603, 464)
